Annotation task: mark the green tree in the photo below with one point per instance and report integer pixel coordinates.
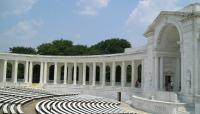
(47, 49)
(23, 50)
(57, 47)
(77, 50)
(111, 46)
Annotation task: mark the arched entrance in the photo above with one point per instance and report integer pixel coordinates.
(36, 74)
(62, 74)
(97, 74)
(20, 73)
(128, 75)
(108, 75)
(51, 74)
(118, 75)
(9, 71)
(87, 74)
(169, 59)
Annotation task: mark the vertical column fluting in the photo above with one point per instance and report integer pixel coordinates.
(156, 73)
(65, 73)
(177, 78)
(84, 73)
(103, 73)
(132, 74)
(15, 71)
(41, 72)
(94, 74)
(55, 72)
(4, 70)
(142, 71)
(45, 72)
(123, 74)
(26, 72)
(30, 71)
(161, 73)
(113, 73)
(75, 73)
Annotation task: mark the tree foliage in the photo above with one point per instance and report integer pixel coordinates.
(112, 46)
(23, 50)
(66, 47)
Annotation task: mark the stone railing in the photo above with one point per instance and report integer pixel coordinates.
(98, 90)
(156, 106)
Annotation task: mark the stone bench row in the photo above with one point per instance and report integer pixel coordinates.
(11, 101)
(63, 107)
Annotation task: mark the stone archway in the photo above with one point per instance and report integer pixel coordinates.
(36, 74)
(168, 52)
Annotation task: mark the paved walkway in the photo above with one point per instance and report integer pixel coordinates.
(131, 110)
(30, 107)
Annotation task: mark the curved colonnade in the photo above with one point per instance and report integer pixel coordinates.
(124, 69)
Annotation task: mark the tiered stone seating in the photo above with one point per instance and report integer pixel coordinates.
(78, 104)
(13, 98)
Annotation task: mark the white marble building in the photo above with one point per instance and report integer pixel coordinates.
(165, 74)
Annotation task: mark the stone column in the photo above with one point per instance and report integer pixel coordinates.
(26, 72)
(15, 71)
(156, 73)
(45, 72)
(41, 72)
(69, 74)
(30, 71)
(55, 72)
(123, 74)
(84, 73)
(4, 70)
(94, 74)
(113, 73)
(161, 73)
(75, 73)
(177, 77)
(103, 74)
(132, 74)
(142, 75)
(65, 73)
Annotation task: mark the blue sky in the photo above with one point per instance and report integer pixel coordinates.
(32, 22)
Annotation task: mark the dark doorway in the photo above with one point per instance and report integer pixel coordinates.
(87, 73)
(97, 73)
(20, 73)
(51, 73)
(62, 73)
(9, 72)
(168, 83)
(118, 74)
(36, 74)
(108, 74)
(128, 73)
(139, 73)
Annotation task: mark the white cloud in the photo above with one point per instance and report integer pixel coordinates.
(20, 34)
(143, 14)
(15, 7)
(91, 7)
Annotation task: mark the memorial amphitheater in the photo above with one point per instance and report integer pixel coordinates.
(165, 75)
